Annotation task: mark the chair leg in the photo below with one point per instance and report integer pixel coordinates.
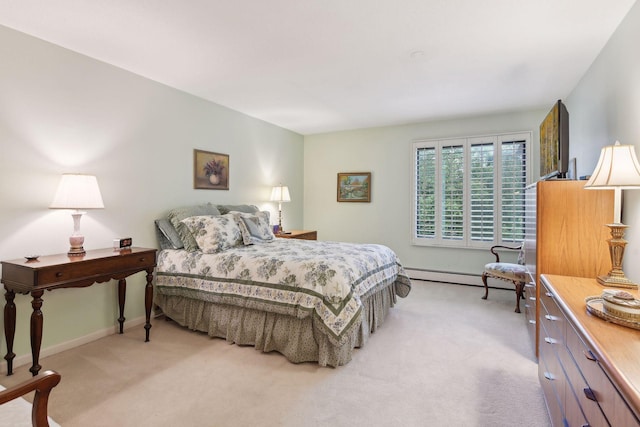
(486, 288)
(519, 295)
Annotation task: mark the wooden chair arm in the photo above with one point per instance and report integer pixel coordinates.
(42, 385)
(517, 248)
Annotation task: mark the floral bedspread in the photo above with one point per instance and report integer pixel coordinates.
(287, 276)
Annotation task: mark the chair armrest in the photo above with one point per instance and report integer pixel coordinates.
(493, 248)
(42, 385)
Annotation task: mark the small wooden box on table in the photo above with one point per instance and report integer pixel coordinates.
(62, 271)
(299, 234)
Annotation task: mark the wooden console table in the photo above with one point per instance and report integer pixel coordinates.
(62, 271)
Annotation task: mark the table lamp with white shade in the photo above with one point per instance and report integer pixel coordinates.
(617, 170)
(280, 194)
(78, 192)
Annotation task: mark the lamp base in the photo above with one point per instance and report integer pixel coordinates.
(76, 248)
(616, 277)
(616, 282)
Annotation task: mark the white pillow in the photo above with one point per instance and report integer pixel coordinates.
(255, 227)
(214, 233)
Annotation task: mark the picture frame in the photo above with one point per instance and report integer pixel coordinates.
(354, 187)
(210, 170)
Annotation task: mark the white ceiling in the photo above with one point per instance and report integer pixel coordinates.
(316, 66)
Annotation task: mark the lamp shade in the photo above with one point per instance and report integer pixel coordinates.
(617, 168)
(280, 193)
(77, 191)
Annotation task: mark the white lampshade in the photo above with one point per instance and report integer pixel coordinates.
(77, 191)
(618, 170)
(280, 193)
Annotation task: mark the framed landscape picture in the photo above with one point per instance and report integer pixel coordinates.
(354, 186)
(210, 170)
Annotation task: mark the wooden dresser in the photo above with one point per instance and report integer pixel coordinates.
(589, 368)
(565, 234)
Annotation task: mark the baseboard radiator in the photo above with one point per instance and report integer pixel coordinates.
(455, 278)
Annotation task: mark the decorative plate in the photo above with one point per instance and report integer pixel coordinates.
(595, 307)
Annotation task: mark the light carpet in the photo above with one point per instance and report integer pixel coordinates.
(444, 357)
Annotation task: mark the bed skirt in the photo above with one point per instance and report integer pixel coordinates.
(299, 340)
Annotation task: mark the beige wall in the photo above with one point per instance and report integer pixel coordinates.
(63, 112)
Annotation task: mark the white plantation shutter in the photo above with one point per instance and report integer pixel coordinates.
(470, 191)
(514, 181)
(482, 178)
(452, 159)
(425, 194)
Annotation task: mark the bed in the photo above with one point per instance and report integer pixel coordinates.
(311, 301)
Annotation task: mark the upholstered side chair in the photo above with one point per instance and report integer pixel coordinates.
(514, 273)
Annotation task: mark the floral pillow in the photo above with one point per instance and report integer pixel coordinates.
(214, 233)
(254, 227)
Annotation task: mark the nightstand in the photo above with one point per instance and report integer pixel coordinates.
(300, 234)
(51, 272)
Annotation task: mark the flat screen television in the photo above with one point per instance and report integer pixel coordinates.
(554, 143)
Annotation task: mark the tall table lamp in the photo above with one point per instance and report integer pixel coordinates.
(280, 194)
(78, 192)
(617, 170)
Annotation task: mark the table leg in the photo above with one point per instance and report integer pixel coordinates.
(9, 328)
(36, 330)
(148, 300)
(122, 293)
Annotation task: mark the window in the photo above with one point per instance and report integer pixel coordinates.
(469, 192)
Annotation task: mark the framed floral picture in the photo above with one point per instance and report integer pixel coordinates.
(354, 186)
(210, 170)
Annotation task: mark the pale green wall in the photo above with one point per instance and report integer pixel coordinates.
(63, 112)
(605, 107)
(386, 153)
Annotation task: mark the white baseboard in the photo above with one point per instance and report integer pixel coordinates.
(76, 342)
(455, 278)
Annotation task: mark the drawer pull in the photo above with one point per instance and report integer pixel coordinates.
(532, 298)
(550, 340)
(549, 376)
(533, 322)
(589, 355)
(58, 274)
(141, 259)
(590, 394)
(552, 318)
(549, 294)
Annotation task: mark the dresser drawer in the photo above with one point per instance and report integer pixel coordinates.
(548, 382)
(553, 321)
(530, 302)
(602, 390)
(579, 390)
